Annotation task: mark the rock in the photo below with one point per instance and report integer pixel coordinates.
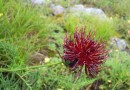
(96, 12)
(38, 1)
(58, 9)
(77, 8)
(119, 43)
(80, 9)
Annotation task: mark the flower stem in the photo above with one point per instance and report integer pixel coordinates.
(26, 68)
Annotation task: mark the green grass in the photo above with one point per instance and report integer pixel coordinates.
(22, 26)
(25, 29)
(51, 76)
(104, 28)
(115, 9)
(117, 72)
(8, 55)
(111, 7)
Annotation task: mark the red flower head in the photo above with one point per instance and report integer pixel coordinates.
(82, 50)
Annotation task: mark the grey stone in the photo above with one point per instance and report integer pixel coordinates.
(80, 9)
(38, 1)
(119, 43)
(96, 12)
(58, 9)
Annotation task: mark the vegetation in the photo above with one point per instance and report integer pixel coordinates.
(28, 30)
(104, 29)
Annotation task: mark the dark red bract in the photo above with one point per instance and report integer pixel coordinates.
(82, 50)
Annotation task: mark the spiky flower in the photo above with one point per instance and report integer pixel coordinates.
(83, 50)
